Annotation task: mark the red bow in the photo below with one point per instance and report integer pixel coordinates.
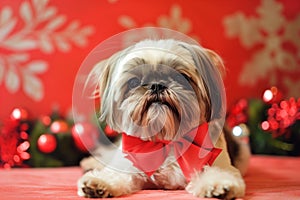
(192, 151)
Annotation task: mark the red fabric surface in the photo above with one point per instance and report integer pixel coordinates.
(268, 178)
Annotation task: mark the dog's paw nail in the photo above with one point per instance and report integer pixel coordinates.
(209, 192)
(100, 192)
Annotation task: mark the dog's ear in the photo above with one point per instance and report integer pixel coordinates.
(216, 60)
(210, 68)
(100, 79)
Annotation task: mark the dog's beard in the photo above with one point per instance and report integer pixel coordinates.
(165, 115)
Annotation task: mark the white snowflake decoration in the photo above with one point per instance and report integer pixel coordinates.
(42, 29)
(271, 30)
(174, 21)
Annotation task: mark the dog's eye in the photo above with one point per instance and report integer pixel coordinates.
(133, 83)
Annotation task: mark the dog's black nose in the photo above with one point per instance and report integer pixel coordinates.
(156, 87)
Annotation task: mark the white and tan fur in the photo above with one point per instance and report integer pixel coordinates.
(187, 101)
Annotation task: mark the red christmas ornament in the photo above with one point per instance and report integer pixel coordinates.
(59, 126)
(85, 136)
(47, 143)
(46, 120)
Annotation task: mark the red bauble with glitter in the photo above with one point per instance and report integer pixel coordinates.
(85, 136)
(47, 143)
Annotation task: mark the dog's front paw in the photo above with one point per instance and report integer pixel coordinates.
(108, 183)
(217, 183)
(92, 187)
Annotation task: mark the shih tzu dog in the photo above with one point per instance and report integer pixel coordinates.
(164, 98)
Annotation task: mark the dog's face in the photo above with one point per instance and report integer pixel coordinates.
(159, 89)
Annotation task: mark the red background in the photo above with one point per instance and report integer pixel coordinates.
(206, 20)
